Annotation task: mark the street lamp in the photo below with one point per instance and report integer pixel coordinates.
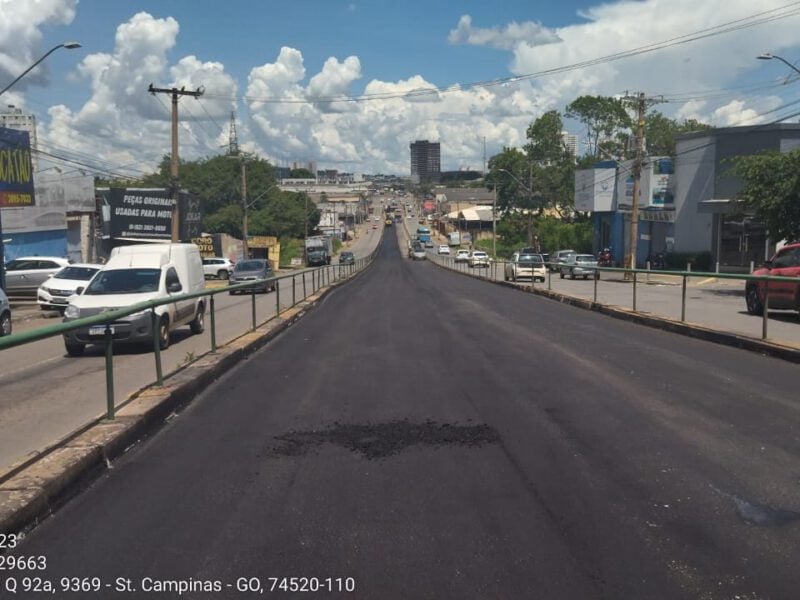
(68, 46)
(769, 56)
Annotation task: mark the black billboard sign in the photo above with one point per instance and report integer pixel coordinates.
(191, 217)
(143, 214)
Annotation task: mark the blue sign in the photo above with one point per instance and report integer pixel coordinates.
(16, 169)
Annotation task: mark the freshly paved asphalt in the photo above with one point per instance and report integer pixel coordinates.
(435, 436)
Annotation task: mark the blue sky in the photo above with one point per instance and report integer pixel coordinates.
(269, 61)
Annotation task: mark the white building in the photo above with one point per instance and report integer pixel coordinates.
(570, 142)
(13, 118)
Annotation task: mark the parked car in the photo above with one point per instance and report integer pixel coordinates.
(5, 314)
(525, 265)
(134, 274)
(580, 265)
(347, 258)
(54, 293)
(462, 256)
(24, 275)
(478, 258)
(782, 295)
(429, 243)
(559, 258)
(221, 268)
(444, 249)
(252, 270)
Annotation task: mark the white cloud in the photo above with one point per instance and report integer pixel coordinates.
(21, 24)
(504, 38)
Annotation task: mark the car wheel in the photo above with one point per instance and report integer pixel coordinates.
(754, 304)
(561, 274)
(163, 333)
(199, 324)
(571, 274)
(74, 349)
(585, 277)
(5, 324)
(223, 274)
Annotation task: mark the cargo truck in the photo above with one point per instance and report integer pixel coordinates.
(319, 249)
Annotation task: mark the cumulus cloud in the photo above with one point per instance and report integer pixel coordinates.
(21, 25)
(502, 38)
(121, 122)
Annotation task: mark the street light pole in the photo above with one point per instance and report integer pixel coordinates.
(494, 222)
(68, 46)
(769, 56)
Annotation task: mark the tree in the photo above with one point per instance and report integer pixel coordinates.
(607, 123)
(771, 188)
(660, 133)
(301, 174)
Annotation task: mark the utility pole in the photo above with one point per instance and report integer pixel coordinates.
(641, 103)
(176, 93)
(245, 249)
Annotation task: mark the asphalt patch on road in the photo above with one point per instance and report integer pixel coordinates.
(760, 514)
(381, 440)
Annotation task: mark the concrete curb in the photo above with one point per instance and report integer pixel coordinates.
(33, 489)
(775, 350)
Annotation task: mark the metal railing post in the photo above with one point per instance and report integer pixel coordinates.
(253, 307)
(549, 278)
(313, 281)
(213, 325)
(596, 278)
(765, 317)
(109, 373)
(277, 298)
(634, 291)
(305, 295)
(683, 299)
(294, 293)
(155, 329)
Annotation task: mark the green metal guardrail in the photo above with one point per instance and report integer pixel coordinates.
(320, 277)
(634, 275)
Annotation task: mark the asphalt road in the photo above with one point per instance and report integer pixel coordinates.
(434, 436)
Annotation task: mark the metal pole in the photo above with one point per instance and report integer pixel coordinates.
(549, 278)
(253, 307)
(154, 328)
(596, 278)
(294, 292)
(305, 295)
(634, 291)
(109, 373)
(277, 298)
(213, 327)
(765, 317)
(683, 299)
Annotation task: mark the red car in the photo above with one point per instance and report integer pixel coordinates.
(782, 294)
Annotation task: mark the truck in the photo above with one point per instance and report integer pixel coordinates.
(454, 238)
(424, 234)
(319, 249)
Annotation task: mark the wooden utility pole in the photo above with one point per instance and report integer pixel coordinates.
(176, 93)
(641, 102)
(245, 249)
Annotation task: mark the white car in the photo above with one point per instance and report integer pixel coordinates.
(462, 256)
(444, 249)
(525, 265)
(54, 293)
(478, 258)
(221, 268)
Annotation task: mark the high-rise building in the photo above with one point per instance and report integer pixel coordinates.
(570, 143)
(426, 162)
(13, 118)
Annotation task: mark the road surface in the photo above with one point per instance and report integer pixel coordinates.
(431, 435)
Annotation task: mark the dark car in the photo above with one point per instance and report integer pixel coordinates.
(347, 258)
(252, 270)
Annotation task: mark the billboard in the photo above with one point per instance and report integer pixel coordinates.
(138, 213)
(16, 169)
(594, 190)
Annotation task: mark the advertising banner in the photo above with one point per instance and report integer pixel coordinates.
(16, 169)
(143, 214)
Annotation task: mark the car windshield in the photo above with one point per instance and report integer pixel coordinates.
(250, 265)
(124, 281)
(530, 259)
(79, 273)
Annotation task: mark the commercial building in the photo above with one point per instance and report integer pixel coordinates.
(13, 118)
(687, 205)
(426, 162)
(570, 143)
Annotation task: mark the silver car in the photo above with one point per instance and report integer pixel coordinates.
(5, 314)
(580, 265)
(24, 275)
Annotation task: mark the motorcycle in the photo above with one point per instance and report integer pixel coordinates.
(605, 259)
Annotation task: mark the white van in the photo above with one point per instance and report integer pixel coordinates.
(135, 274)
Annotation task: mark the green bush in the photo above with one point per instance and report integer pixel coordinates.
(290, 248)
